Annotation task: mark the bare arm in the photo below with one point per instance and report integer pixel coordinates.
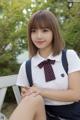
(72, 94)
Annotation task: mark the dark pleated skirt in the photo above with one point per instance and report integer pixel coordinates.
(66, 112)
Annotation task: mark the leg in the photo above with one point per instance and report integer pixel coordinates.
(30, 108)
(40, 114)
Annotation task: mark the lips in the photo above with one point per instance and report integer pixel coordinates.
(39, 42)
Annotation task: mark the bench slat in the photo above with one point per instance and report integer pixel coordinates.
(17, 94)
(6, 81)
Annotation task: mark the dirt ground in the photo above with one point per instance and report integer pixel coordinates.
(8, 109)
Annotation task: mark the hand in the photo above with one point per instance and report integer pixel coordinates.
(34, 90)
(24, 91)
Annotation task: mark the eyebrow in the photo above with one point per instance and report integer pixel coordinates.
(40, 28)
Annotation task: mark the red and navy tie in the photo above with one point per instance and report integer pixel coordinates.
(48, 70)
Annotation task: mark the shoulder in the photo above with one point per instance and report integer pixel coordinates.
(73, 61)
(24, 63)
(72, 55)
(71, 52)
(22, 79)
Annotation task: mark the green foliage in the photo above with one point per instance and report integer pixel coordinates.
(13, 34)
(71, 28)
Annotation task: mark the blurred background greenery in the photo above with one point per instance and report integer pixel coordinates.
(14, 17)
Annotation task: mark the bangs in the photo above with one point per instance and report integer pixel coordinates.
(40, 21)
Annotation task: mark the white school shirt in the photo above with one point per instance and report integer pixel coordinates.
(60, 82)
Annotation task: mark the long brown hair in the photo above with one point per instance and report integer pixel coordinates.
(40, 19)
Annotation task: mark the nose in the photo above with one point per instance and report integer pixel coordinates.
(39, 34)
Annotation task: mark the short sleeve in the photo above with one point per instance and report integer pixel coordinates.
(73, 61)
(22, 79)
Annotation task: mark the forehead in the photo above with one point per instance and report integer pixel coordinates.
(40, 22)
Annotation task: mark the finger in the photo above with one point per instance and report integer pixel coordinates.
(35, 94)
(23, 93)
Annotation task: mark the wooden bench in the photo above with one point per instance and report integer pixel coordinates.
(5, 82)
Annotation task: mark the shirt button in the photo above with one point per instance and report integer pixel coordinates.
(62, 75)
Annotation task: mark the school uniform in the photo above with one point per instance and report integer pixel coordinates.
(63, 109)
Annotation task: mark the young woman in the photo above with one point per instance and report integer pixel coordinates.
(54, 94)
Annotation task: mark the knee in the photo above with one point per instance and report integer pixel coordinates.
(39, 100)
(38, 103)
(36, 100)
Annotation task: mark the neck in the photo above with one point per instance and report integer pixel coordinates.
(45, 52)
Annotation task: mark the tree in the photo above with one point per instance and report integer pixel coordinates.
(71, 28)
(12, 33)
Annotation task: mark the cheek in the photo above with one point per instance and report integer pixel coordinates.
(32, 37)
(49, 37)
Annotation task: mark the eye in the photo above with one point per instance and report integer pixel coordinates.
(33, 30)
(45, 30)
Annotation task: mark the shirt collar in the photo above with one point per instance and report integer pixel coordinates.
(38, 59)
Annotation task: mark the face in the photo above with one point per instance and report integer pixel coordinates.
(42, 38)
